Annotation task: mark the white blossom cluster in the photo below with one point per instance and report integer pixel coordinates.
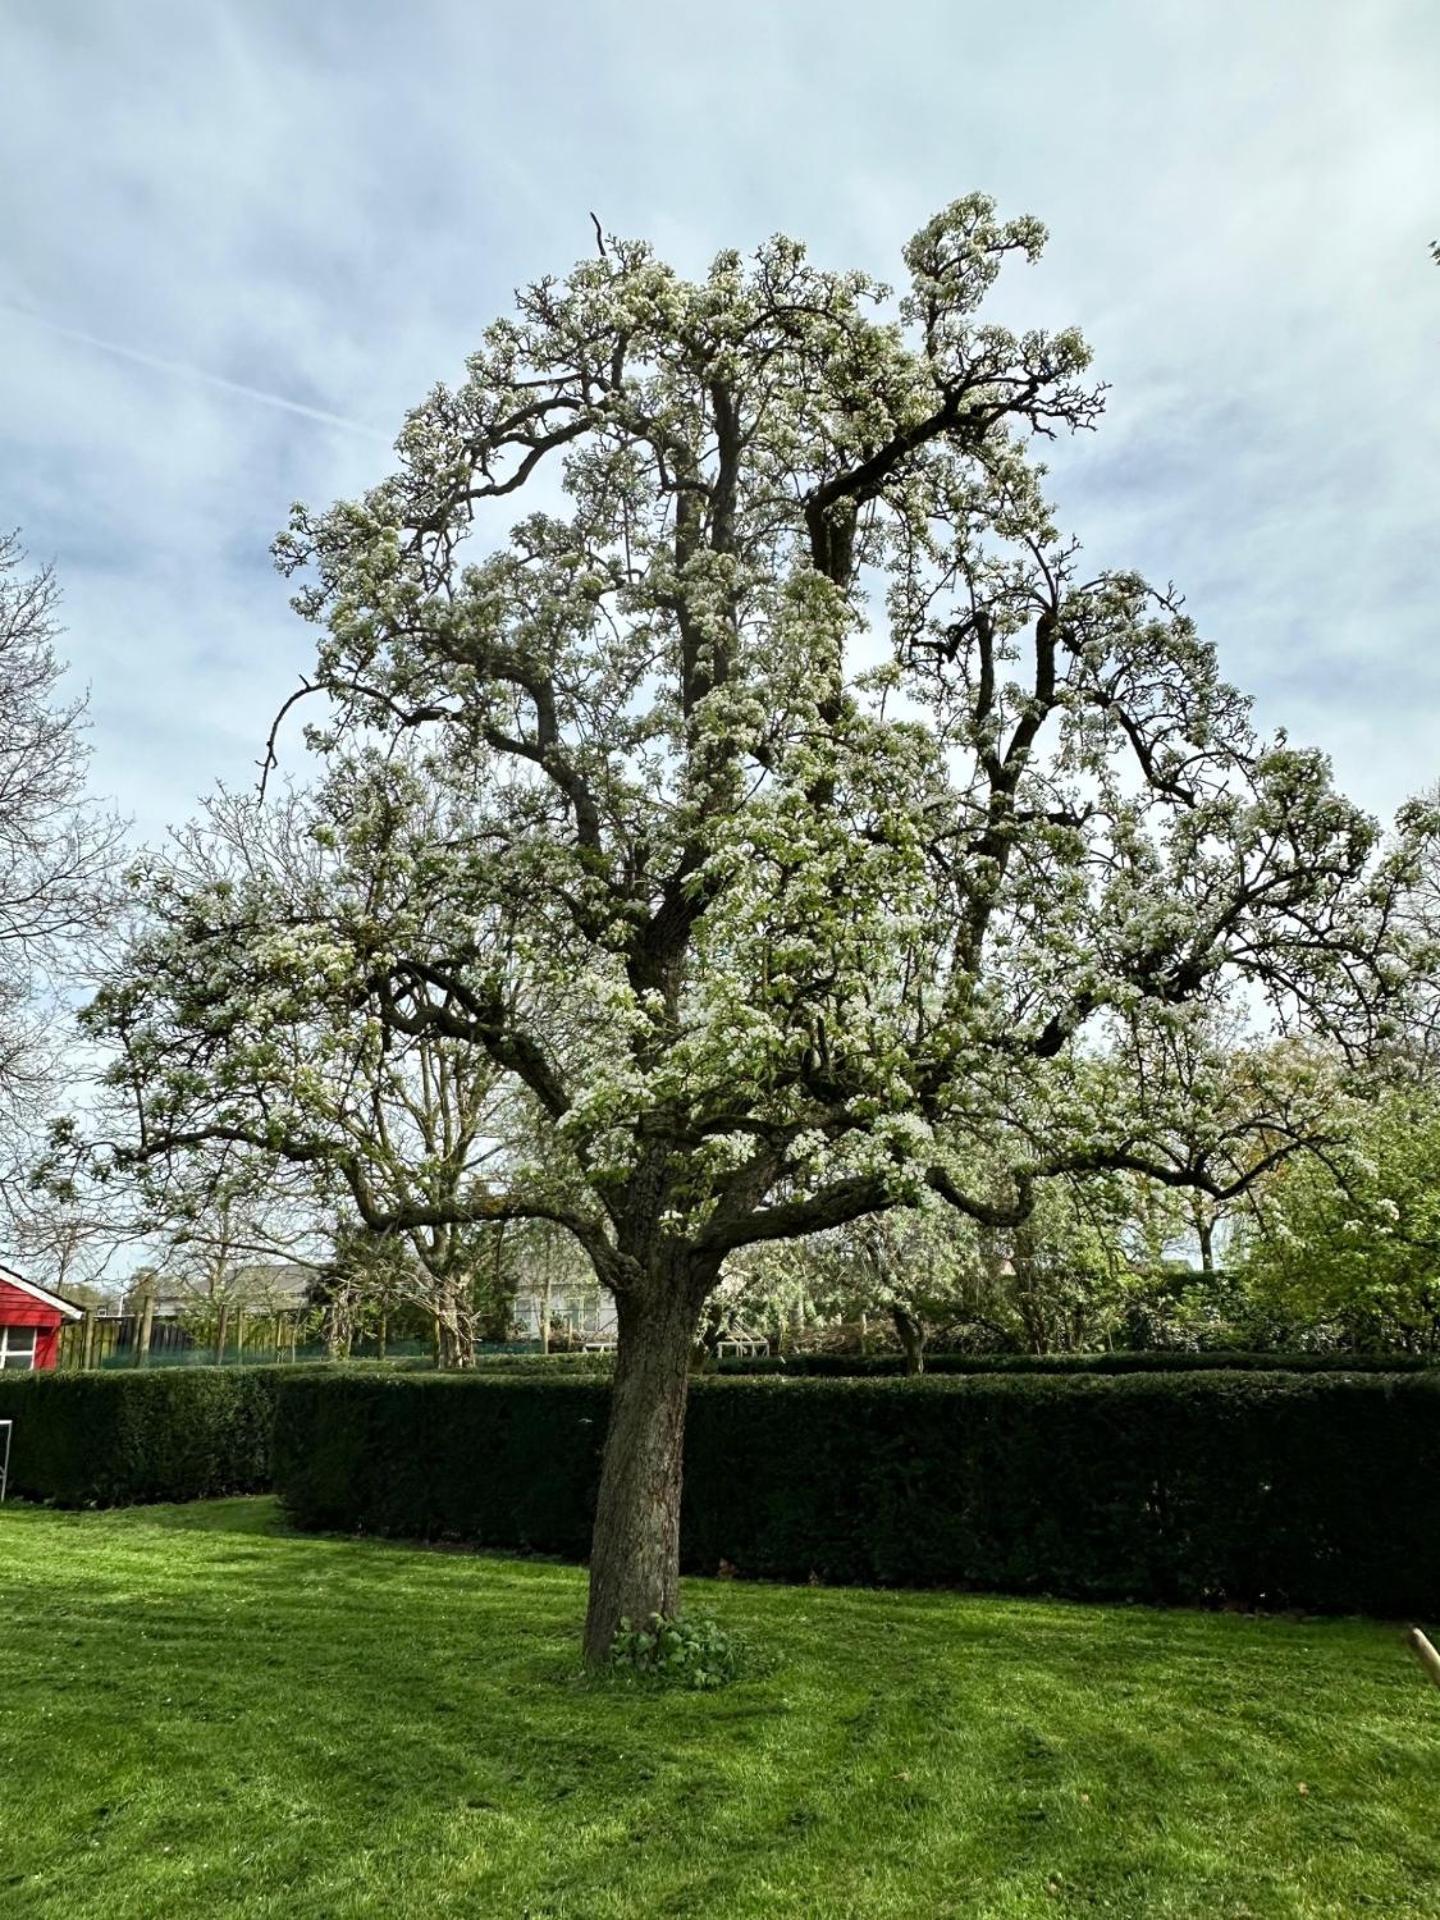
(790, 825)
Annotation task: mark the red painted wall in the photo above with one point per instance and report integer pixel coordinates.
(19, 1309)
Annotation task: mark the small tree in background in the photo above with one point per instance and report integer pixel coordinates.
(56, 851)
(1349, 1241)
(383, 1138)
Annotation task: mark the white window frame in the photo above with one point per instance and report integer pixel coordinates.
(18, 1357)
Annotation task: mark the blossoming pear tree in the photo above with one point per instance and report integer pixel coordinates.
(811, 809)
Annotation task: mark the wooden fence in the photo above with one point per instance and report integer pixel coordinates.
(140, 1339)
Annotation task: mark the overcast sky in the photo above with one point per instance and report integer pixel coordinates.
(240, 238)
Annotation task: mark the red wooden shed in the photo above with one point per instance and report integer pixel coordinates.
(30, 1321)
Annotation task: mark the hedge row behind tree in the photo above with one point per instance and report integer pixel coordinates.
(850, 1366)
(117, 1438)
(879, 1366)
(1314, 1491)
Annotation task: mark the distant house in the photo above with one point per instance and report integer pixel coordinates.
(30, 1321)
(276, 1287)
(586, 1312)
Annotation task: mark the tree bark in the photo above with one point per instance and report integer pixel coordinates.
(337, 1325)
(912, 1339)
(1029, 1301)
(1205, 1233)
(454, 1324)
(497, 1319)
(635, 1548)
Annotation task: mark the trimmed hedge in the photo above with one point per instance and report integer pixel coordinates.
(502, 1459)
(885, 1366)
(550, 1365)
(108, 1439)
(850, 1366)
(1318, 1491)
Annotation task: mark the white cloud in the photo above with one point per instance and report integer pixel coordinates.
(325, 204)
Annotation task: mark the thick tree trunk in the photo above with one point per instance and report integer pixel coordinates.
(337, 1326)
(497, 1320)
(1205, 1233)
(912, 1339)
(635, 1549)
(1029, 1301)
(457, 1338)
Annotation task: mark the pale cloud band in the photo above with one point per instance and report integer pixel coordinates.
(251, 234)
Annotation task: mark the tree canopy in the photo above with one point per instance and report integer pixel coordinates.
(779, 808)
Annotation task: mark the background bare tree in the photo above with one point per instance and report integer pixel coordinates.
(57, 849)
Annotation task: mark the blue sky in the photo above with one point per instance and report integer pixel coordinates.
(240, 238)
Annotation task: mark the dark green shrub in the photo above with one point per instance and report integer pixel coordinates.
(110, 1439)
(505, 1460)
(572, 1366)
(851, 1366)
(1318, 1490)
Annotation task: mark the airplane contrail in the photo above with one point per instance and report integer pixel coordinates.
(181, 367)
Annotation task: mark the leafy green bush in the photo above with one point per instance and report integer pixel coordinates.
(110, 1439)
(1318, 1490)
(696, 1654)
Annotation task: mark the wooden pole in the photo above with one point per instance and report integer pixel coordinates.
(87, 1338)
(147, 1326)
(222, 1328)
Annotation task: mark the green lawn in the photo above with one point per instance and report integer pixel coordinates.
(201, 1715)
